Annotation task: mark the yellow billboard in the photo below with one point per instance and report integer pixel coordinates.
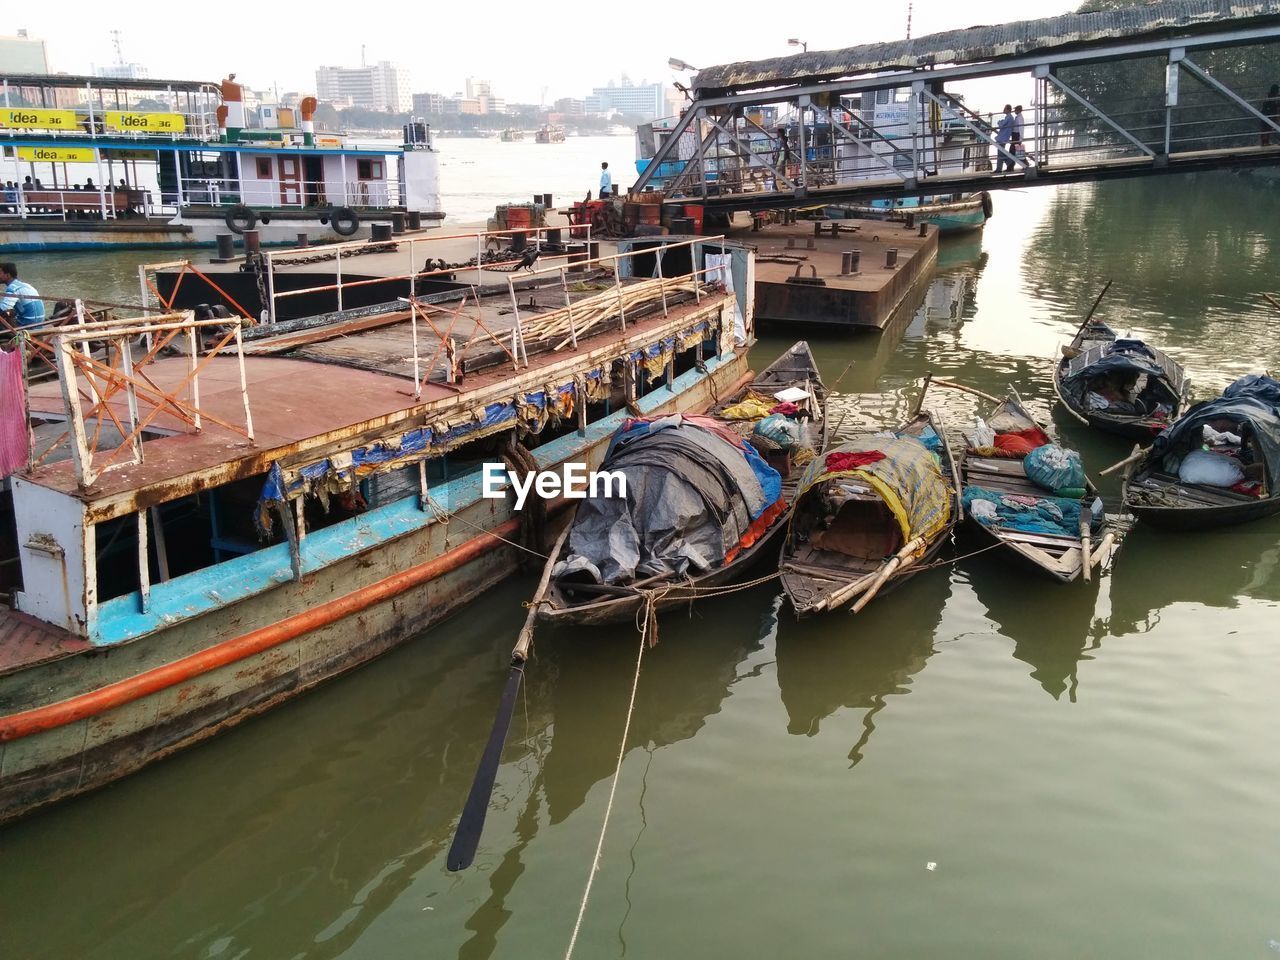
(32, 119)
(56, 154)
(145, 122)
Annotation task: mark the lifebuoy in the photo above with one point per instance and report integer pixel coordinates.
(240, 218)
(987, 207)
(345, 221)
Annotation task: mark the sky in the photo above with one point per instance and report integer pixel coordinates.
(528, 51)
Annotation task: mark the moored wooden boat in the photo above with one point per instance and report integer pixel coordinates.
(1160, 488)
(571, 596)
(861, 525)
(1119, 384)
(1066, 537)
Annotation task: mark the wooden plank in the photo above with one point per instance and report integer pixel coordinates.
(1043, 539)
(991, 465)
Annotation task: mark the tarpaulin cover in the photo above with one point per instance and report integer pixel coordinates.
(1253, 399)
(908, 479)
(693, 491)
(1127, 355)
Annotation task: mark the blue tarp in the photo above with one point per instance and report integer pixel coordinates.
(1055, 516)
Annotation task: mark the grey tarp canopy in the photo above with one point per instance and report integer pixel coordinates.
(1122, 354)
(1253, 399)
(690, 497)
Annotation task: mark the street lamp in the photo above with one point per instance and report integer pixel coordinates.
(675, 64)
(793, 42)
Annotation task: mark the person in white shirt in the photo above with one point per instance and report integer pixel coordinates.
(606, 181)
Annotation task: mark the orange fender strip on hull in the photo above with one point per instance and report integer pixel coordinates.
(53, 715)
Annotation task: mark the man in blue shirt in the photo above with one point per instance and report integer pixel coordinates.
(21, 302)
(1004, 133)
(606, 181)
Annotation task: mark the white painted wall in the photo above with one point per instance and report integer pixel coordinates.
(264, 192)
(54, 588)
(421, 169)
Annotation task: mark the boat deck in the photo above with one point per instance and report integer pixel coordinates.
(26, 641)
(334, 383)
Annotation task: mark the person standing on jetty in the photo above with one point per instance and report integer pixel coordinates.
(606, 181)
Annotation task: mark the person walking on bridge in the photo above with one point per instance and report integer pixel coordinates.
(1004, 133)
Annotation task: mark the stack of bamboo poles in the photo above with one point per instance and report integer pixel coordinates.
(581, 319)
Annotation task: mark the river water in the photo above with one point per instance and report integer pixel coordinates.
(983, 764)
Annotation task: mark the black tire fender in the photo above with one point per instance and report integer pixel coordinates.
(345, 221)
(240, 218)
(987, 207)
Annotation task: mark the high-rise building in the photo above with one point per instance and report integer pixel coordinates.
(23, 54)
(645, 100)
(382, 86)
(477, 88)
(569, 107)
(427, 103)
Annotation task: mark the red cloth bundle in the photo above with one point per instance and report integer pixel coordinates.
(1021, 442)
(851, 461)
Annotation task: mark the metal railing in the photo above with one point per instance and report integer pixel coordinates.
(300, 194)
(65, 204)
(412, 246)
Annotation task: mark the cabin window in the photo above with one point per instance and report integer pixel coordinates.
(369, 169)
(264, 168)
(883, 96)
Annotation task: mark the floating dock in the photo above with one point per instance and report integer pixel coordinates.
(843, 274)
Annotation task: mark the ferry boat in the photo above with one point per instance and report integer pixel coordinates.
(219, 514)
(764, 138)
(550, 133)
(511, 135)
(109, 163)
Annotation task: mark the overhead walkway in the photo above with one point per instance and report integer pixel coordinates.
(1138, 91)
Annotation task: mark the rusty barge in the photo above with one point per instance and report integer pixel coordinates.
(218, 516)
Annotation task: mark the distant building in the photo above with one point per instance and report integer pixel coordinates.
(383, 86)
(123, 71)
(23, 54)
(477, 88)
(646, 100)
(568, 107)
(427, 103)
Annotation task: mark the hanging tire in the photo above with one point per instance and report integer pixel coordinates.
(240, 218)
(987, 207)
(345, 221)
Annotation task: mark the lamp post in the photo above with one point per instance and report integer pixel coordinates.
(794, 42)
(675, 64)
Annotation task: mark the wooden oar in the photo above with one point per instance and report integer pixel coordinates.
(928, 378)
(1084, 542)
(470, 825)
(1089, 316)
(1138, 453)
(1272, 300)
(960, 386)
(900, 559)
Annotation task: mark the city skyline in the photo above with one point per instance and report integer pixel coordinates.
(502, 49)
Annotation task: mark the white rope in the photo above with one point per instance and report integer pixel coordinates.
(613, 788)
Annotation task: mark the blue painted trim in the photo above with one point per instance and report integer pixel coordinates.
(203, 146)
(240, 578)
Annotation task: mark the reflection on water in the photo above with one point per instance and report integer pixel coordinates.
(1140, 790)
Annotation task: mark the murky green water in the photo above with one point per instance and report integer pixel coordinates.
(1092, 770)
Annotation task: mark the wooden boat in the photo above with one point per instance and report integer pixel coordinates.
(1148, 389)
(1064, 556)
(567, 599)
(847, 542)
(1249, 409)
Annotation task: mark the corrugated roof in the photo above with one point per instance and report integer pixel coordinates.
(65, 81)
(985, 43)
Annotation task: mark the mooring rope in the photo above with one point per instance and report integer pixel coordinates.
(650, 614)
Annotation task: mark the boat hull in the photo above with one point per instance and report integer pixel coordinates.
(82, 720)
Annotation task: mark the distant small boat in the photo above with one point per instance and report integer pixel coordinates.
(1119, 384)
(687, 522)
(549, 133)
(1178, 483)
(1063, 535)
(511, 135)
(868, 514)
(952, 214)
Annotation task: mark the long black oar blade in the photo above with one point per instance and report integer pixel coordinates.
(471, 823)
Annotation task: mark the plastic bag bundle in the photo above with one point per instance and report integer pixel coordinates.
(779, 429)
(1054, 468)
(1210, 469)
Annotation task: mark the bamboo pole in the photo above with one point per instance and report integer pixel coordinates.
(1138, 453)
(903, 558)
(1084, 543)
(961, 387)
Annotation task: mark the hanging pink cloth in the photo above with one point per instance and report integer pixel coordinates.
(15, 435)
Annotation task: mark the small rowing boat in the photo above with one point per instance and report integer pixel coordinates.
(1119, 384)
(1217, 465)
(1030, 497)
(869, 513)
(707, 498)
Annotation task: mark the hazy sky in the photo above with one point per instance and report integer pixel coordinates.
(524, 47)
